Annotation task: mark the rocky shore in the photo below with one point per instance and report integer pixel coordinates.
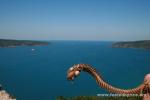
(5, 95)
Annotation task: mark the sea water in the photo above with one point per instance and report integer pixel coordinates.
(40, 74)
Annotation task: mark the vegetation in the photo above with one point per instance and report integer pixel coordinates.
(145, 44)
(14, 43)
(99, 98)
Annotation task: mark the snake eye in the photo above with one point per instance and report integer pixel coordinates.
(71, 68)
(77, 73)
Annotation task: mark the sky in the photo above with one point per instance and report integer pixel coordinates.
(107, 20)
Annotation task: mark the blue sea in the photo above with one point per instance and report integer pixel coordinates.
(41, 74)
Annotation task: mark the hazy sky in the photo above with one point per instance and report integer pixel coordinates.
(75, 19)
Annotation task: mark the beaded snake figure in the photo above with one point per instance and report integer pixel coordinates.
(74, 71)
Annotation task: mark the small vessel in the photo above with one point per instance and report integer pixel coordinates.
(32, 49)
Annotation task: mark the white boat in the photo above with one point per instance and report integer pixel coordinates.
(32, 49)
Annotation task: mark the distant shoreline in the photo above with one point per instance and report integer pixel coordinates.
(5, 43)
(144, 44)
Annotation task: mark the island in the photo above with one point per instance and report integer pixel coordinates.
(14, 43)
(143, 44)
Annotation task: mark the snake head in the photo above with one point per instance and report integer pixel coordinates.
(147, 84)
(73, 72)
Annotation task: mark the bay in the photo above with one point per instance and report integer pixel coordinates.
(40, 74)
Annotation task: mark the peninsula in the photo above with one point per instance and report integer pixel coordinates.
(144, 44)
(14, 43)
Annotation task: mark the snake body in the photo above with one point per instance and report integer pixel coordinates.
(76, 69)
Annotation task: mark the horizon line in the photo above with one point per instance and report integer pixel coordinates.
(70, 40)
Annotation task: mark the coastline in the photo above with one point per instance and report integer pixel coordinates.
(6, 43)
(144, 44)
